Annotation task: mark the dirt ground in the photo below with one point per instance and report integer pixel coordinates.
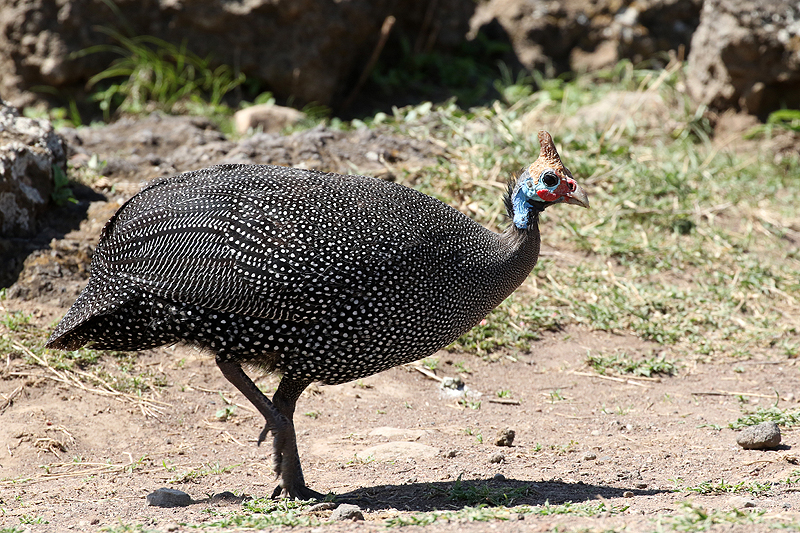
(77, 456)
(80, 460)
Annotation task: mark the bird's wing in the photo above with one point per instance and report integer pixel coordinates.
(274, 247)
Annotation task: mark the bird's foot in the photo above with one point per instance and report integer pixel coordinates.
(297, 492)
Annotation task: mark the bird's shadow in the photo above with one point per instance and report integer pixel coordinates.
(457, 494)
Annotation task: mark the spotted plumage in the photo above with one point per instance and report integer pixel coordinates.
(320, 277)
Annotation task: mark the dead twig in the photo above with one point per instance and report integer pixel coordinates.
(7, 400)
(504, 401)
(732, 393)
(611, 378)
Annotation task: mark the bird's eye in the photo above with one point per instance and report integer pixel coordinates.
(549, 178)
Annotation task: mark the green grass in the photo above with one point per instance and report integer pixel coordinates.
(151, 73)
(483, 513)
(756, 488)
(695, 518)
(621, 364)
(783, 417)
(206, 469)
(265, 513)
(474, 493)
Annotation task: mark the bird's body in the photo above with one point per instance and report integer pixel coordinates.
(319, 277)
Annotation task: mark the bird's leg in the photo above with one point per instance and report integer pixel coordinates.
(278, 416)
(287, 460)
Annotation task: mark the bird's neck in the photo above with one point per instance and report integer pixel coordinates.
(521, 248)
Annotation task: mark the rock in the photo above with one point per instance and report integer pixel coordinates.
(740, 502)
(165, 497)
(305, 49)
(760, 437)
(451, 453)
(226, 497)
(268, 118)
(498, 477)
(453, 382)
(322, 506)
(497, 457)
(505, 437)
(347, 511)
(587, 34)
(627, 494)
(29, 149)
(589, 456)
(393, 451)
(745, 55)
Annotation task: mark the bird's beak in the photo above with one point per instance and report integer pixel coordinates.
(577, 197)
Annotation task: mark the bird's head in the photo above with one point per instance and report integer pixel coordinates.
(547, 181)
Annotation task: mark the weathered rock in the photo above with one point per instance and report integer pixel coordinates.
(309, 49)
(760, 437)
(29, 149)
(496, 457)
(347, 511)
(746, 55)
(269, 118)
(505, 437)
(589, 34)
(165, 497)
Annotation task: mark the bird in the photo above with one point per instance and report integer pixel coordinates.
(314, 276)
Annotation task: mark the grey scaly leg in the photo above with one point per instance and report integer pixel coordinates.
(278, 416)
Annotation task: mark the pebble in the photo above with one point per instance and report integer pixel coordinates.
(455, 383)
(451, 453)
(505, 437)
(165, 497)
(740, 502)
(589, 456)
(627, 494)
(498, 477)
(641, 485)
(347, 511)
(226, 497)
(324, 506)
(760, 437)
(497, 457)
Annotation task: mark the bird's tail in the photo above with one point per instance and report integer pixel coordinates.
(96, 299)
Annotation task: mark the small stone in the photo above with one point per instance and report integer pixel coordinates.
(497, 457)
(596, 433)
(589, 456)
(760, 437)
(226, 497)
(451, 453)
(641, 485)
(165, 497)
(498, 477)
(324, 506)
(270, 118)
(455, 383)
(740, 502)
(627, 494)
(347, 511)
(505, 437)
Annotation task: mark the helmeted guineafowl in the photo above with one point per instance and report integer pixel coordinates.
(320, 277)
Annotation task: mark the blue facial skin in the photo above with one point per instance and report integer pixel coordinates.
(525, 192)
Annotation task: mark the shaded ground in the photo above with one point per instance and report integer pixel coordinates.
(75, 454)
